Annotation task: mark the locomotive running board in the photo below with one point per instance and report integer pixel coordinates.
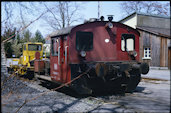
(48, 78)
(43, 77)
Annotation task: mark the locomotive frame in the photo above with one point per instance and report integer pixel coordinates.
(109, 50)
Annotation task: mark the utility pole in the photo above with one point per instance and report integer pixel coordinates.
(98, 9)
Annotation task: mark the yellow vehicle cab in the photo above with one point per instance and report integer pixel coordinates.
(29, 50)
(26, 61)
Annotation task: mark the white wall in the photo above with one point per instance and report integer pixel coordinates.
(47, 47)
(131, 21)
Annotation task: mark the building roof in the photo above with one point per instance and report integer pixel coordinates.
(157, 31)
(63, 31)
(47, 37)
(145, 14)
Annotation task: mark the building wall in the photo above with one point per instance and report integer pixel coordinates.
(155, 51)
(131, 21)
(151, 21)
(158, 45)
(169, 57)
(159, 49)
(141, 46)
(165, 42)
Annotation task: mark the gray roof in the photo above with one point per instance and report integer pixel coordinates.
(157, 31)
(63, 31)
(155, 15)
(145, 14)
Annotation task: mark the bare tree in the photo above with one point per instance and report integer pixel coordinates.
(7, 13)
(13, 14)
(65, 14)
(20, 14)
(150, 7)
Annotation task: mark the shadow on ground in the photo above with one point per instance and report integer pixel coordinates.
(70, 92)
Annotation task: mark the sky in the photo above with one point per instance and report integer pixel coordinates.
(90, 10)
(106, 8)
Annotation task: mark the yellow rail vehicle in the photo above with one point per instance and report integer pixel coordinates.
(29, 51)
(26, 61)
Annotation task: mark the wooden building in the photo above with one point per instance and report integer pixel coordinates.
(154, 37)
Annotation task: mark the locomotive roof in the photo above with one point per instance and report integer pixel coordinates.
(63, 31)
(67, 30)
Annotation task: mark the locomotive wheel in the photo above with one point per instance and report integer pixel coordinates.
(30, 75)
(81, 86)
(84, 86)
(133, 82)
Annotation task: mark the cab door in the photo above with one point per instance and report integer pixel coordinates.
(65, 59)
(55, 59)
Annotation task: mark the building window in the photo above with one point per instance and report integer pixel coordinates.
(147, 53)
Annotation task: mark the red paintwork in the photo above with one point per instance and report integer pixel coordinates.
(55, 68)
(60, 72)
(37, 55)
(39, 65)
(102, 51)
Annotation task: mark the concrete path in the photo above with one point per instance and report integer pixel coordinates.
(158, 74)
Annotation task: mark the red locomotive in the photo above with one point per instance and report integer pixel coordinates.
(108, 50)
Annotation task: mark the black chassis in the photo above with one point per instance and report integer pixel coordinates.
(107, 76)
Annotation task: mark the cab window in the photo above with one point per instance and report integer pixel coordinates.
(34, 47)
(24, 47)
(84, 41)
(127, 42)
(54, 49)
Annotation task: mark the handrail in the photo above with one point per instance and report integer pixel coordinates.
(59, 55)
(66, 54)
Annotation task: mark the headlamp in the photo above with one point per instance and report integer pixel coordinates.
(110, 25)
(135, 53)
(83, 53)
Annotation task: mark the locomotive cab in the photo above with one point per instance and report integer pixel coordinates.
(105, 52)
